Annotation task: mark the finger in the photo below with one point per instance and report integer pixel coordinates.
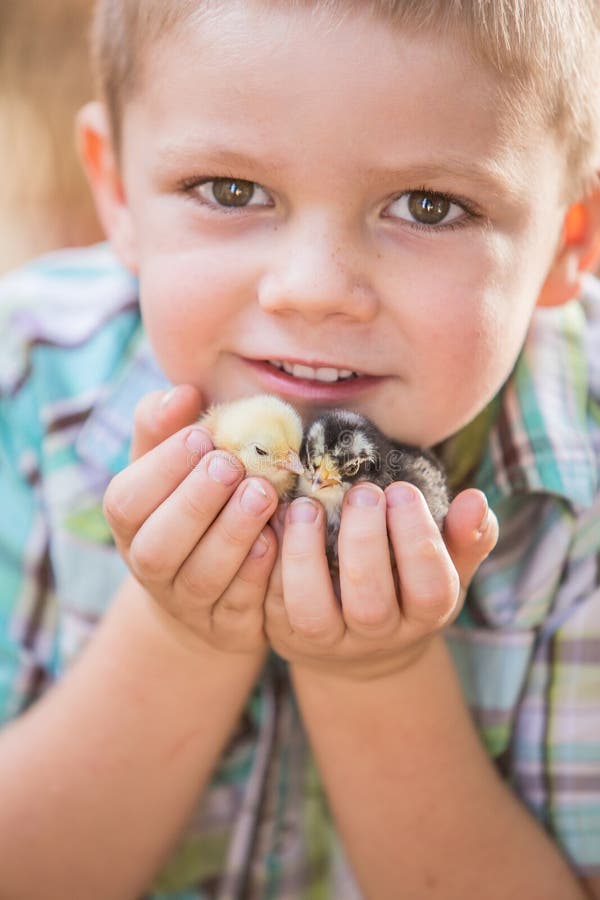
(470, 532)
(367, 585)
(160, 414)
(312, 609)
(215, 561)
(276, 620)
(429, 583)
(277, 523)
(136, 492)
(170, 534)
(240, 607)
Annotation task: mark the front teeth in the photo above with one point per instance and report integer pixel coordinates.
(322, 374)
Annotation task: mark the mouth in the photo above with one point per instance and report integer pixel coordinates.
(327, 374)
(317, 382)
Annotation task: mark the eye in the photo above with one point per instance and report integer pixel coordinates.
(426, 208)
(232, 193)
(352, 467)
(260, 451)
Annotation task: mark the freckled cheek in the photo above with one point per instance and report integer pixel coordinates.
(467, 322)
(455, 318)
(461, 350)
(475, 362)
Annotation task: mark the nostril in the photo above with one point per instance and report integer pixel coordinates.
(318, 304)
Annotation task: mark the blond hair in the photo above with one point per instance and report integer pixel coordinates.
(545, 50)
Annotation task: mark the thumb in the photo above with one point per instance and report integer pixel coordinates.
(470, 533)
(160, 414)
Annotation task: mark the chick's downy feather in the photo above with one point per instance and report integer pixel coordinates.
(341, 448)
(264, 432)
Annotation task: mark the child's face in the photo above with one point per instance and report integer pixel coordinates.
(326, 139)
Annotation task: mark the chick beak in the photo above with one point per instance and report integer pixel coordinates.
(324, 478)
(291, 462)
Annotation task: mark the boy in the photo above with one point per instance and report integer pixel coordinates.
(385, 192)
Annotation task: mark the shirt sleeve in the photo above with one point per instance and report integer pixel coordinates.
(571, 662)
(25, 580)
(527, 652)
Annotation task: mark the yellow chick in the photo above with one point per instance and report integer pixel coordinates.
(264, 432)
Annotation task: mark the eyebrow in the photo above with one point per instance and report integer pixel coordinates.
(491, 177)
(189, 153)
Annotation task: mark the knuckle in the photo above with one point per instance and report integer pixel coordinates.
(449, 586)
(370, 616)
(354, 574)
(451, 599)
(233, 604)
(430, 548)
(194, 502)
(239, 602)
(235, 538)
(115, 507)
(302, 552)
(174, 469)
(440, 598)
(145, 560)
(197, 582)
(314, 629)
(298, 556)
(274, 598)
(251, 579)
(360, 545)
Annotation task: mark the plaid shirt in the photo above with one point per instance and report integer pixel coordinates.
(74, 361)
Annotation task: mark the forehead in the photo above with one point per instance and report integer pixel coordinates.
(284, 86)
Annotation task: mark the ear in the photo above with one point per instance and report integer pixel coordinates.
(99, 159)
(578, 252)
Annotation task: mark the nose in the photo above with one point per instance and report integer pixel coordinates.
(317, 272)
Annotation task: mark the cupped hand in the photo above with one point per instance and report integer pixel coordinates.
(386, 614)
(191, 528)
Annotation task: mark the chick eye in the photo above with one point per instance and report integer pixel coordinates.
(233, 193)
(260, 451)
(425, 208)
(352, 468)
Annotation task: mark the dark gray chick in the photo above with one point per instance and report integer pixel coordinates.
(341, 448)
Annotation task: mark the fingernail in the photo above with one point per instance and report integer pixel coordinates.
(259, 547)
(198, 440)
(400, 495)
(225, 469)
(363, 496)
(254, 498)
(303, 510)
(485, 521)
(168, 397)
